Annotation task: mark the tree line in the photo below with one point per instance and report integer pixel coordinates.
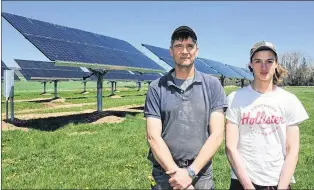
(300, 69)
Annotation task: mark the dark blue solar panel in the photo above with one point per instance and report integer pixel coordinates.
(240, 71)
(47, 70)
(120, 75)
(221, 68)
(205, 68)
(4, 67)
(150, 76)
(160, 52)
(68, 44)
(164, 55)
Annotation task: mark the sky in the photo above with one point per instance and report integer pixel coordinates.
(226, 30)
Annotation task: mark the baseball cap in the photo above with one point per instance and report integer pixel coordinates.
(262, 45)
(183, 29)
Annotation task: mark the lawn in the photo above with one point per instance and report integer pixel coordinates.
(70, 152)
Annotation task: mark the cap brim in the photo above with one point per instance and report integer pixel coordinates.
(261, 48)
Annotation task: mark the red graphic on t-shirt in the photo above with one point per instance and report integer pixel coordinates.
(262, 123)
(260, 118)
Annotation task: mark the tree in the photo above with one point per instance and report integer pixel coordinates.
(300, 68)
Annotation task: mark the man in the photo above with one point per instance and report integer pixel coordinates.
(185, 119)
(262, 133)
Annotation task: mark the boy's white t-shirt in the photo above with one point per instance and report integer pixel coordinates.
(262, 121)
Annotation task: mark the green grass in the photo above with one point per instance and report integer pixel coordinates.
(108, 156)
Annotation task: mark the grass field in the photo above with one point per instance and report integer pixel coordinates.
(67, 151)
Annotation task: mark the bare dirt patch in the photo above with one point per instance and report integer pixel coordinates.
(7, 126)
(46, 94)
(127, 108)
(58, 100)
(54, 121)
(115, 96)
(33, 100)
(55, 106)
(47, 115)
(108, 119)
(130, 108)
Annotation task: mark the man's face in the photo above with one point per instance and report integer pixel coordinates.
(184, 52)
(264, 65)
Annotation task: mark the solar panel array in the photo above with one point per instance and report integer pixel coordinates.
(164, 55)
(247, 70)
(63, 44)
(120, 75)
(5, 67)
(242, 72)
(221, 68)
(150, 76)
(43, 70)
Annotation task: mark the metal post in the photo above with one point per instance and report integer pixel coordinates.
(44, 87)
(115, 86)
(56, 85)
(12, 104)
(112, 88)
(7, 109)
(84, 86)
(139, 85)
(99, 91)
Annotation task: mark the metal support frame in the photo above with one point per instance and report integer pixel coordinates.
(139, 85)
(55, 88)
(45, 87)
(112, 88)
(84, 87)
(12, 104)
(115, 86)
(11, 99)
(100, 78)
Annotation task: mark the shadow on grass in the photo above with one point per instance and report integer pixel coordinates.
(54, 123)
(77, 98)
(138, 108)
(123, 96)
(43, 101)
(127, 86)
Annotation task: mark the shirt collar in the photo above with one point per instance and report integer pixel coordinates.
(197, 77)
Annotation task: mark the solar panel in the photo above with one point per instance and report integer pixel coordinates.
(74, 47)
(43, 70)
(164, 55)
(247, 70)
(150, 76)
(5, 67)
(160, 52)
(221, 68)
(242, 72)
(120, 75)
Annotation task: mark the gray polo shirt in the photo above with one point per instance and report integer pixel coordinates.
(184, 113)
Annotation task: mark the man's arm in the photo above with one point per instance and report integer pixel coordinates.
(212, 143)
(234, 157)
(292, 149)
(157, 144)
